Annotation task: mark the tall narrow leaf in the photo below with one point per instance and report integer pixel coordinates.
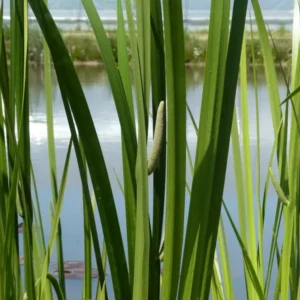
(176, 152)
(158, 86)
(129, 182)
(212, 149)
(73, 93)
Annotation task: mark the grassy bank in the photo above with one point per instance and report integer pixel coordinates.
(83, 47)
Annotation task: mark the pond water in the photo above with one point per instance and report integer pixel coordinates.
(100, 100)
(187, 4)
(70, 14)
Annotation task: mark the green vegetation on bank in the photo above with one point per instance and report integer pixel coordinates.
(83, 48)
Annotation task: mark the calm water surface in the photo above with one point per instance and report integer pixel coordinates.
(100, 100)
(188, 4)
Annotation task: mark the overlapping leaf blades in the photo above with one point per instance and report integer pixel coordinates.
(157, 45)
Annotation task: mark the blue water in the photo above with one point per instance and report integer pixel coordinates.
(70, 13)
(187, 4)
(204, 5)
(100, 100)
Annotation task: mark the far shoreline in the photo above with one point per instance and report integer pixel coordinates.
(84, 51)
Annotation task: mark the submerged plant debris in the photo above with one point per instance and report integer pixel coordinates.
(74, 270)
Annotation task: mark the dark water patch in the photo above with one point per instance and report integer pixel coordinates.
(74, 270)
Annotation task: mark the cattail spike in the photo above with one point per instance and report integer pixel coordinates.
(158, 139)
(278, 189)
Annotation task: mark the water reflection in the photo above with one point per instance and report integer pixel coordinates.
(98, 94)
